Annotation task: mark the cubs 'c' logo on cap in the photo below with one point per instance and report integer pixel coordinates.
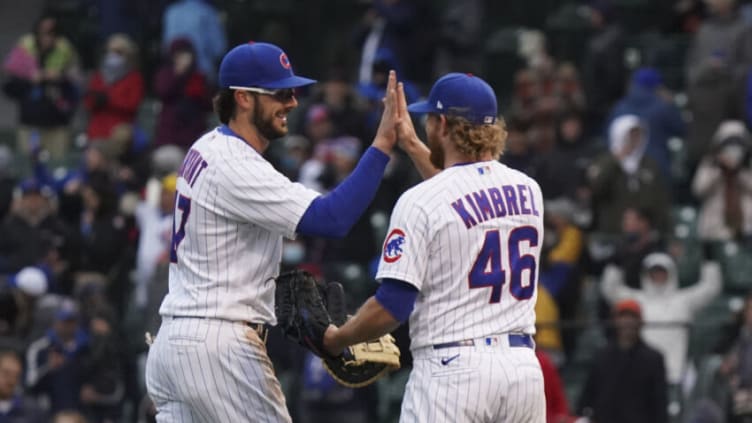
(284, 61)
(393, 245)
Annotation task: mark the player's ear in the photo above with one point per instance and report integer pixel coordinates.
(243, 99)
(443, 126)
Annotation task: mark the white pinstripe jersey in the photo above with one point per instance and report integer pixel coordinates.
(469, 239)
(232, 209)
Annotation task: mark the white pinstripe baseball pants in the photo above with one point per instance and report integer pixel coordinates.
(495, 383)
(206, 370)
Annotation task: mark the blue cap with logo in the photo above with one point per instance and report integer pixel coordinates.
(463, 95)
(258, 65)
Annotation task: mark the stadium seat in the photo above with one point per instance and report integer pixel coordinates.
(685, 232)
(8, 137)
(736, 263)
(704, 332)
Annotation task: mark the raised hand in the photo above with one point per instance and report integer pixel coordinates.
(386, 134)
(408, 139)
(406, 136)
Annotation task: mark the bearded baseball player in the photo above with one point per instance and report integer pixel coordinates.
(461, 262)
(208, 362)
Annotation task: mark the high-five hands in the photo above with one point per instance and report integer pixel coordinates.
(396, 127)
(386, 134)
(406, 136)
(408, 139)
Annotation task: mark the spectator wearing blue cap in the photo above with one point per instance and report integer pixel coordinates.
(227, 190)
(102, 376)
(648, 99)
(55, 360)
(34, 235)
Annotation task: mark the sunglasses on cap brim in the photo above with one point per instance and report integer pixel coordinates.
(283, 94)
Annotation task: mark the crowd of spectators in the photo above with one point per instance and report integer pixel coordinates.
(641, 148)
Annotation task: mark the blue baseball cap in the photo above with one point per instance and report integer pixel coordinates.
(67, 310)
(648, 78)
(258, 65)
(460, 94)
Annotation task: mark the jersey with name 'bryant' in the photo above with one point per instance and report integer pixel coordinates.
(232, 209)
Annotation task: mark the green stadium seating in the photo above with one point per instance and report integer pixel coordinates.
(704, 332)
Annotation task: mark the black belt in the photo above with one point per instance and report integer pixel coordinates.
(515, 340)
(259, 328)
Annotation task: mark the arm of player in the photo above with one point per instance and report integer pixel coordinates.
(333, 215)
(408, 140)
(380, 314)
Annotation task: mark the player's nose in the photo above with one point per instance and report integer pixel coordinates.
(292, 102)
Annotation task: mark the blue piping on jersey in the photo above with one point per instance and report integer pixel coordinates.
(224, 129)
(397, 297)
(332, 215)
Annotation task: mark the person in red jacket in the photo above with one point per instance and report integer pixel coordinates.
(557, 408)
(185, 95)
(115, 90)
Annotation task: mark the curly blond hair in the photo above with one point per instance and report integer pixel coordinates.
(475, 140)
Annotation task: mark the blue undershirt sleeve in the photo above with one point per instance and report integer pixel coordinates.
(332, 215)
(397, 297)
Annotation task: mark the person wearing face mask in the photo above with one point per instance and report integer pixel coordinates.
(723, 183)
(184, 92)
(115, 90)
(667, 309)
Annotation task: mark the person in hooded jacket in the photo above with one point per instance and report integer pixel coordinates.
(723, 183)
(184, 92)
(115, 90)
(667, 308)
(625, 177)
(648, 99)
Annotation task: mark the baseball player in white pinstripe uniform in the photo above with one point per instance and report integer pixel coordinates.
(461, 262)
(208, 362)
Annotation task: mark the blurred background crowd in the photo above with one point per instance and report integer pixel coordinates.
(633, 115)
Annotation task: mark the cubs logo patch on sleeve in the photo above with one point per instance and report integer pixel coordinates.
(393, 245)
